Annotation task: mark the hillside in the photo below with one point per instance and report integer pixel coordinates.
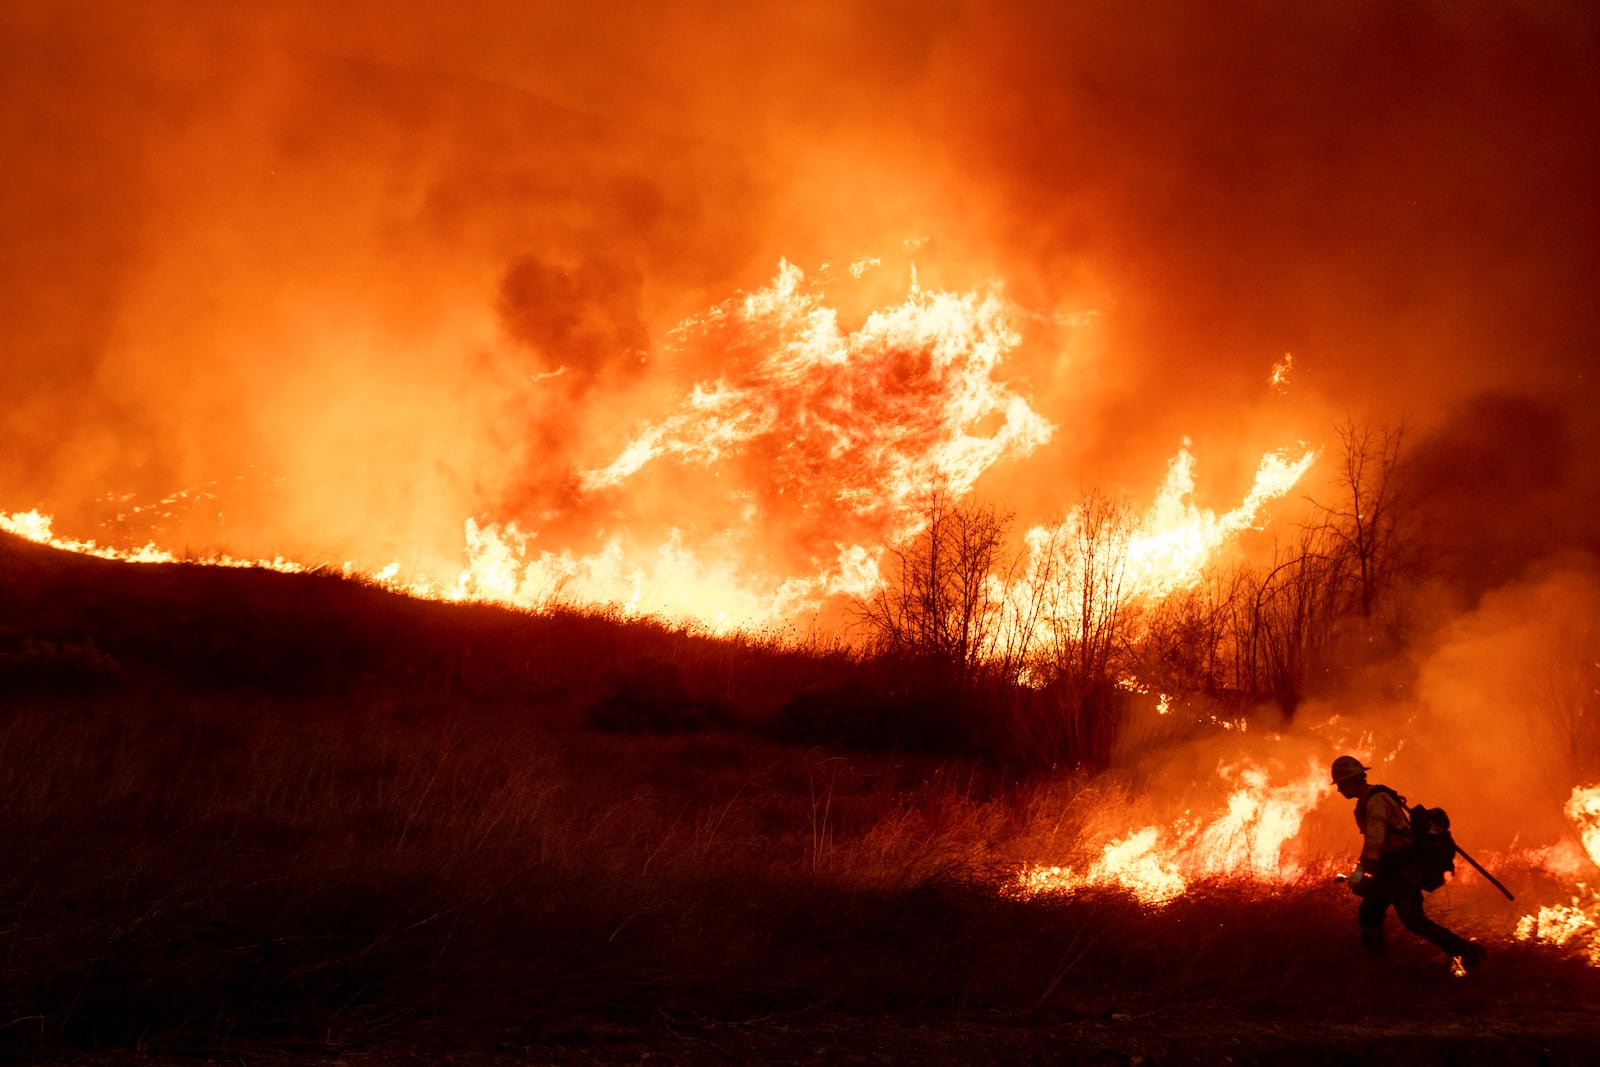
(257, 632)
(291, 818)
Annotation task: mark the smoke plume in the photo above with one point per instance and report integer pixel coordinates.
(352, 278)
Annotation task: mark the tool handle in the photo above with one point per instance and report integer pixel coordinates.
(1479, 868)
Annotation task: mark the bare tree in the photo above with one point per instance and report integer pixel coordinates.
(1291, 619)
(1184, 640)
(1078, 596)
(1372, 523)
(942, 600)
(1100, 571)
(1026, 584)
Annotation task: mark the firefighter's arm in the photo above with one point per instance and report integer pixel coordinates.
(1375, 833)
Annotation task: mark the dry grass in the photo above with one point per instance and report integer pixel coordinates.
(193, 875)
(442, 858)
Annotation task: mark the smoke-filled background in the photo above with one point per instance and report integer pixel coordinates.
(350, 276)
(422, 265)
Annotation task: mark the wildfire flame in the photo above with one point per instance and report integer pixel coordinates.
(1176, 537)
(1248, 838)
(818, 437)
(1576, 924)
(853, 401)
(38, 527)
(1583, 809)
(1281, 372)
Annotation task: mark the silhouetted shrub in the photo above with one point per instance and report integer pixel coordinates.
(1058, 726)
(649, 696)
(890, 709)
(65, 667)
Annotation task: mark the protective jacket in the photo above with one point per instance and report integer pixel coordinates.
(1386, 859)
(1385, 826)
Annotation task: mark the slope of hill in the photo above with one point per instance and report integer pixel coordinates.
(249, 631)
(293, 819)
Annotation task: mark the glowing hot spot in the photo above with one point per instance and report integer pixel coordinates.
(1575, 925)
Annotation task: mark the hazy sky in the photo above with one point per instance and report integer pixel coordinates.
(398, 264)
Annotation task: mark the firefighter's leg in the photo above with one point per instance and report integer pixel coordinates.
(1408, 905)
(1371, 914)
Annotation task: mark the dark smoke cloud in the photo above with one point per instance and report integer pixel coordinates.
(1394, 194)
(579, 322)
(1506, 481)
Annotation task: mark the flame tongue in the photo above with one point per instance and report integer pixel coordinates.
(1577, 924)
(1248, 839)
(1583, 809)
(1176, 538)
(889, 411)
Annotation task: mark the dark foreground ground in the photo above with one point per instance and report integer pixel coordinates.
(254, 850)
(1154, 1039)
(615, 907)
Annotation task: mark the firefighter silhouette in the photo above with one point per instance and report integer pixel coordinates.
(1387, 875)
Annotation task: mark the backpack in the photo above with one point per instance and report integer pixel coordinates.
(1433, 849)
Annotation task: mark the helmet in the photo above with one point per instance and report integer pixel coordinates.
(1346, 768)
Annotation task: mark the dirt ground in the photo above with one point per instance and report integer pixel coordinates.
(1563, 1035)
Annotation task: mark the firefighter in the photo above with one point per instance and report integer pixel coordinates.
(1384, 878)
